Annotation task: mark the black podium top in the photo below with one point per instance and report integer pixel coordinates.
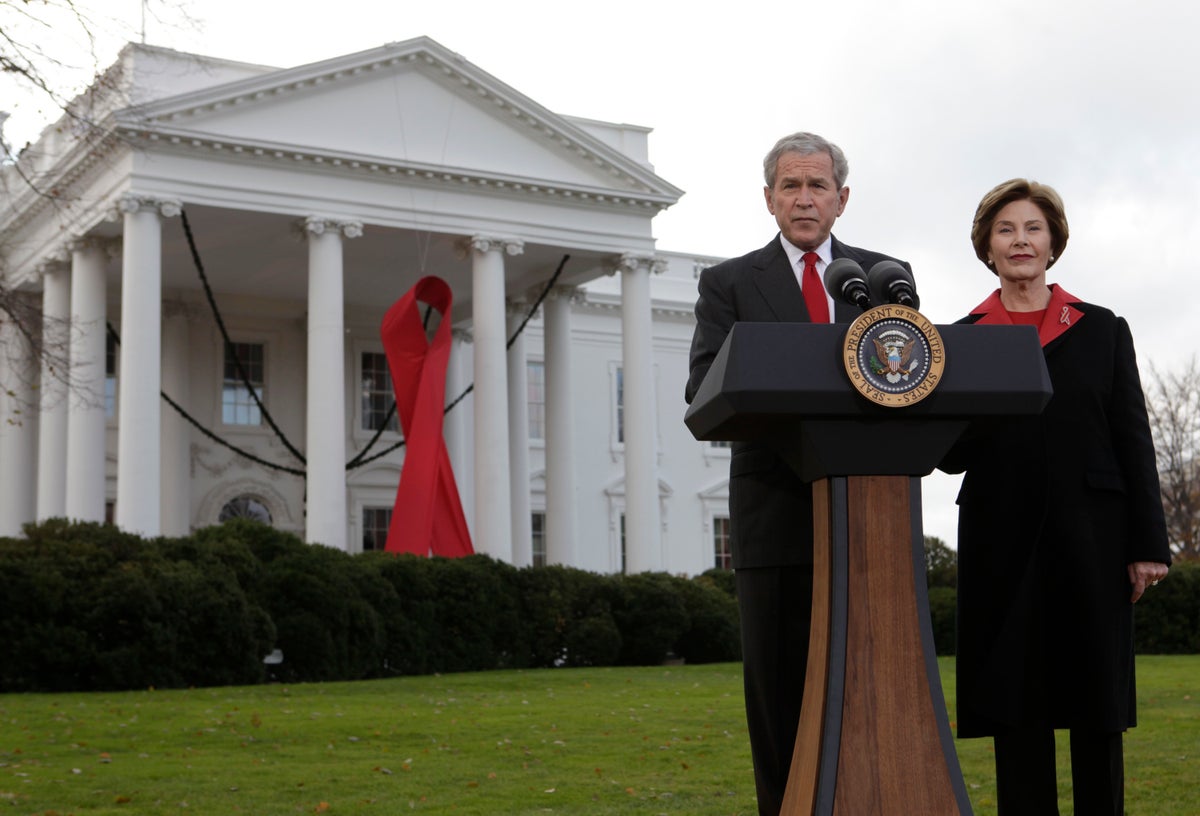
(785, 384)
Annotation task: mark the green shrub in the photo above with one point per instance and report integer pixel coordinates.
(45, 646)
(477, 621)
(219, 635)
(723, 579)
(567, 617)
(1167, 617)
(942, 617)
(263, 542)
(651, 616)
(86, 606)
(594, 639)
(713, 634)
(222, 548)
(89, 607)
(410, 624)
(325, 628)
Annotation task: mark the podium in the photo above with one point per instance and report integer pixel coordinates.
(874, 738)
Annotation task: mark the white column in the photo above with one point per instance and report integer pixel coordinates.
(56, 359)
(518, 438)
(18, 425)
(139, 420)
(643, 535)
(85, 492)
(493, 497)
(561, 498)
(454, 425)
(176, 508)
(327, 519)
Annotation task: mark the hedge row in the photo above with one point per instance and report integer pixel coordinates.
(86, 606)
(1166, 619)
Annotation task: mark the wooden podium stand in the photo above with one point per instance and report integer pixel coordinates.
(874, 738)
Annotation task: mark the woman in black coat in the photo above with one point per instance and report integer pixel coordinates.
(1061, 529)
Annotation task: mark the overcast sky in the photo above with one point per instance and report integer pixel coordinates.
(933, 102)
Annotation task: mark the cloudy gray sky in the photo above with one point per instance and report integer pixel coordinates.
(933, 101)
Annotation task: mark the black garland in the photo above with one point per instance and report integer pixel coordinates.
(360, 458)
(229, 349)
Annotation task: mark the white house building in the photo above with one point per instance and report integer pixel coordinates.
(243, 377)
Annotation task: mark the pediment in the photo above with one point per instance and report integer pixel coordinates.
(718, 490)
(414, 104)
(617, 488)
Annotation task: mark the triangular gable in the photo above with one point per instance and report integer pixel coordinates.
(717, 491)
(413, 103)
(617, 488)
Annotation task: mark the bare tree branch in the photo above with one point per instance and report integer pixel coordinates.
(49, 49)
(1173, 403)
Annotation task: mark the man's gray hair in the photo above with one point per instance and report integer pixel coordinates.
(806, 144)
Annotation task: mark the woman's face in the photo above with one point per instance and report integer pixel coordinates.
(1019, 247)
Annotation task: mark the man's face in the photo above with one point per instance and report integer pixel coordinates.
(805, 201)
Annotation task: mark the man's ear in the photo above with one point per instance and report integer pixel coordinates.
(843, 197)
(770, 199)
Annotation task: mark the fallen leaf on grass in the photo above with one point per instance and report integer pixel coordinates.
(321, 807)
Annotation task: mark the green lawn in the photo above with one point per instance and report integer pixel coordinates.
(570, 741)
(1162, 755)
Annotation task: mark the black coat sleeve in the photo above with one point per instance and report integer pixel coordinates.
(1133, 445)
(716, 312)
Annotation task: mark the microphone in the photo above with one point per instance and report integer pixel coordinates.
(845, 281)
(892, 283)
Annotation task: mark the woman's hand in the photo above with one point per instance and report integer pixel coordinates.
(1144, 574)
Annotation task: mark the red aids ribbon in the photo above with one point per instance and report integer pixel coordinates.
(427, 517)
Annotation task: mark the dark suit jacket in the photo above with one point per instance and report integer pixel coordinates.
(770, 508)
(1052, 510)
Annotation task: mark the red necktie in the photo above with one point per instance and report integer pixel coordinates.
(814, 290)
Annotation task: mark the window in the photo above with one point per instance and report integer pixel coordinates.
(377, 394)
(539, 539)
(110, 376)
(722, 555)
(536, 391)
(247, 507)
(622, 543)
(237, 404)
(375, 523)
(620, 407)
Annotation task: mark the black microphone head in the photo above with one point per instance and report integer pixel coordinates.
(845, 281)
(890, 282)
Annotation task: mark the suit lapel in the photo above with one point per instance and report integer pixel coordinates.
(776, 282)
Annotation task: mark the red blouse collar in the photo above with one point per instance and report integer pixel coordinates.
(1060, 314)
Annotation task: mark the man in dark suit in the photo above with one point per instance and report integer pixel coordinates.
(770, 508)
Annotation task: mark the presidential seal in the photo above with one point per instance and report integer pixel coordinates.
(894, 356)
